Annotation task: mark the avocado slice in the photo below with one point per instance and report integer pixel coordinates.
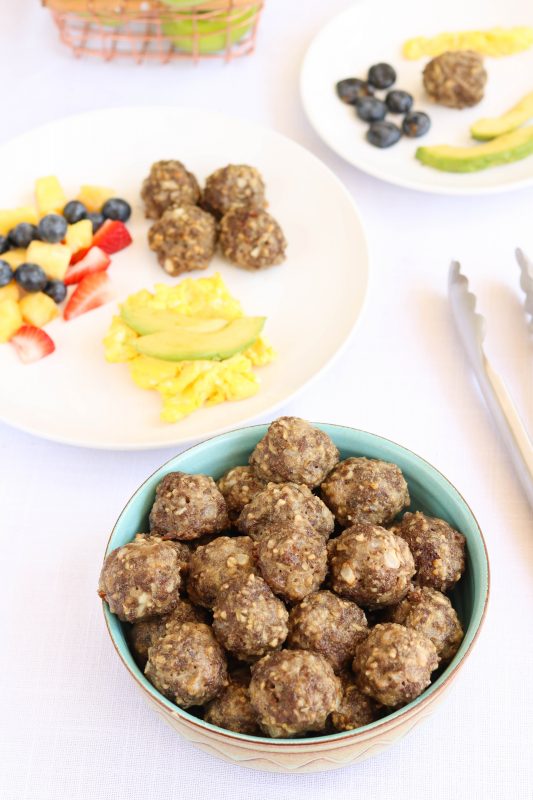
(490, 127)
(501, 150)
(145, 320)
(178, 344)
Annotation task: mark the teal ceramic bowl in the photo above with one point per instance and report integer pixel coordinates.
(430, 492)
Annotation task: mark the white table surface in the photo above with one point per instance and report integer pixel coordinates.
(72, 725)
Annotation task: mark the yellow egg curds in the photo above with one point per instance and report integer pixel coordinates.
(494, 42)
(185, 386)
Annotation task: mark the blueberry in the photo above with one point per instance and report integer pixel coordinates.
(22, 234)
(6, 273)
(97, 219)
(4, 244)
(31, 277)
(398, 101)
(370, 109)
(115, 208)
(74, 211)
(416, 123)
(381, 76)
(351, 90)
(383, 134)
(56, 290)
(52, 228)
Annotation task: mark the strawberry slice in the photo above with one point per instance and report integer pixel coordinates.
(93, 291)
(32, 343)
(112, 236)
(95, 260)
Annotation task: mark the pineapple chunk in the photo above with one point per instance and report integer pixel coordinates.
(12, 216)
(49, 196)
(10, 319)
(10, 292)
(38, 309)
(15, 257)
(94, 197)
(53, 258)
(79, 235)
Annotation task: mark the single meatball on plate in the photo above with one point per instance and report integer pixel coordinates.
(234, 186)
(168, 184)
(183, 239)
(252, 239)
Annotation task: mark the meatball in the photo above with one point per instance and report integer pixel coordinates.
(329, 625)
(183, 550)
(285, 504)
(394, 664)
(217, 562)
(251, 239)
(140, 580)
(187, 507)
(438, 549)
(365, 490)
(233, 710)
(294, 451)
(184, 239)
(187, 665)
(293, 692)
(355, 709)
(248, 620)
(371, 566)
(430, 612)
(143, 634)
(456, 79)
(293, 560)
(234, 186)
(168, 184)
(239, 486)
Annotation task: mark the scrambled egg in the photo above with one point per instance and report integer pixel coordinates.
(185, 386)
(494, 42)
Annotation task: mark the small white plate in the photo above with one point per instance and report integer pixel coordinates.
(312, 301)
(371, 31)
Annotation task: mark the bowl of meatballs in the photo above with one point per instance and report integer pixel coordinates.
(295, 597)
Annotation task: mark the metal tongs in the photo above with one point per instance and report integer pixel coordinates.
(471, 328)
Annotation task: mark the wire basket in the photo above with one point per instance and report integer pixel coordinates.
(149, 30)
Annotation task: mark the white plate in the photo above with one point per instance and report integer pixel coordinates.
(371, 31)
(312, 301)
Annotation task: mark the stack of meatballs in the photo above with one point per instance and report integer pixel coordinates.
(288, 598)
(189, 221)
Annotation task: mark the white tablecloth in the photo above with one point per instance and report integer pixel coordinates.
(72, 724)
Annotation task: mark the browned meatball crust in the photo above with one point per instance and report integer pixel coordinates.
(355, 709)
(233, 710)
(234, 186)
(248, 620)
(187, 507)
(293, 451)
(293, 561)
(251, 239)
(438, 549)
(168, 184)
(144, 633)
(365, 490)
(430, 612)
(239, 486)
(140, 580)
(283, 504)
(294, 692)
(370, 565)
(329, 625)
(183, 239)
(456, 79)
(216, 563)
(394, 664)
(187, 665)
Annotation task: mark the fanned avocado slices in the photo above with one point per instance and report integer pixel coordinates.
(501, 150)
(180, 344)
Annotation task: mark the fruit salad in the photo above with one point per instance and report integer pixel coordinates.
(53, 247)
(191, 343)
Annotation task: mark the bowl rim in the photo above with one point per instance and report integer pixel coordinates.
(377, 727)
